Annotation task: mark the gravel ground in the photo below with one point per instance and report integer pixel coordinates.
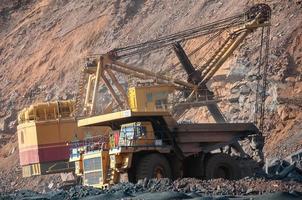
(187, 188)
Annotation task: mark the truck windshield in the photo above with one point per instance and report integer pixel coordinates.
(126, 135)
(127, 132)
(130, 133)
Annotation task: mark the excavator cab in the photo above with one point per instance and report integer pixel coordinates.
(149, 98)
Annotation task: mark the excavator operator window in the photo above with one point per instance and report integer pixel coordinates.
(161, 104)
(149, 97)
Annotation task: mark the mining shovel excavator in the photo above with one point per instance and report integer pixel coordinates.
(145, 140)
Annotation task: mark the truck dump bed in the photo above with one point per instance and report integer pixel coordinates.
(192, 138)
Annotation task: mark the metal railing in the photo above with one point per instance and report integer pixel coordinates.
(89, 144)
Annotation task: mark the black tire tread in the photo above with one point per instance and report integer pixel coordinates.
(148, 162)
(225, 159)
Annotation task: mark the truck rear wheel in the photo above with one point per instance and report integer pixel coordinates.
(222, 166)
(153, 166)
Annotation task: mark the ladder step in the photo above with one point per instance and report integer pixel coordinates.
(79, 95)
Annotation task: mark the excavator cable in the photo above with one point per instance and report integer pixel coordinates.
(194, 51)
(178, 37)
(234, 21)
(262, 78)
(258, 78)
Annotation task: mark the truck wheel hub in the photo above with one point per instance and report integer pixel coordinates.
(159, 172)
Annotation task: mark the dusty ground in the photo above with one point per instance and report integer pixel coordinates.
(43, 41)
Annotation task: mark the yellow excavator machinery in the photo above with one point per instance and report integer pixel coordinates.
(145, 139)
(45, 132)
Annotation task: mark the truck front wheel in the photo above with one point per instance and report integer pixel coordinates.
(153, 166)
(222, 166)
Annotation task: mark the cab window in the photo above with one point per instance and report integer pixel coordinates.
(127, 132)
(141, 131)
(161, 104)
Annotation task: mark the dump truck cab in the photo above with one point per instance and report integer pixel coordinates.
(136, 134)
(132, 141)
(104, 165)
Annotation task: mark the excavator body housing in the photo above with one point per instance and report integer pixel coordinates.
(149, 98)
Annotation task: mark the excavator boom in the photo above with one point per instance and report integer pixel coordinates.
(104, 67)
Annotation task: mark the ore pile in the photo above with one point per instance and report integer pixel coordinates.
(281, 169)
(187, 188)
(289, 168)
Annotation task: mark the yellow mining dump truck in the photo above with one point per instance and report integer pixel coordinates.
(45, 131)
(149, 143)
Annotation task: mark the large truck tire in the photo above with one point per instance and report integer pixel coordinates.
(222, 166)
(153, 166)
